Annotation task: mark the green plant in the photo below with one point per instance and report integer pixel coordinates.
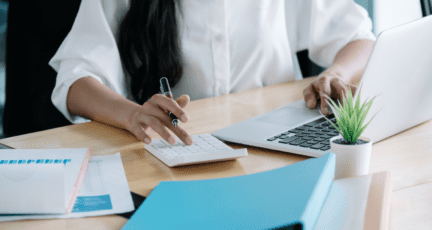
(350, 116)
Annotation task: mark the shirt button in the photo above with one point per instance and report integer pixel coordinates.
(219, 38)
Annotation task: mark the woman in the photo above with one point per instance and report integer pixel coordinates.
(110, 64)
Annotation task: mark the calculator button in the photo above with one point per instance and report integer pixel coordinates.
(197, 150)
(177, 148)
(206, 148)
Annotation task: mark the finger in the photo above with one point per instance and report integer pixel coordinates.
(138, 131)
(155, 111)
(183, 100)
(182, 134)
(310, 96)
(170, 105)
(353, 89)
(339, 88)
(166, 121)
(323, 87)
(158, 127)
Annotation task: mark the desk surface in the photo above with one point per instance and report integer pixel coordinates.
(408, 155)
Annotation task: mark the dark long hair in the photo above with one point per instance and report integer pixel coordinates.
(149, 46)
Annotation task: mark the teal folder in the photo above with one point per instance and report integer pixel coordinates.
(290, 197)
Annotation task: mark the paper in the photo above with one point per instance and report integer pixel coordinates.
(74, 162)
(345, 206)
(31, 188)
(104, 191)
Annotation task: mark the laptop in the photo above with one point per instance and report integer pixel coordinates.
(399, 71)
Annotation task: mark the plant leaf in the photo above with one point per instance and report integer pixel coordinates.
(344, 131)
(358, 99)
(350, 115)
(345, 104)
(358, 133)
(370, 120)
(332, 104)
(350, 102)
(334, 107)
(353, 125)
(366, 110)
(337, 128)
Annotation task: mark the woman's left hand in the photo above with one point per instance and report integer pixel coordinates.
(325, 84)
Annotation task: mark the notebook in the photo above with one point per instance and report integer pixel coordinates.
(44, 181)
(290, 197)
(398, 71)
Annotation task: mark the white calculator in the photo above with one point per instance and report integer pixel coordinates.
(205, 148)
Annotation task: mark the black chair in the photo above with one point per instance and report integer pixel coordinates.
(426, 6)
(36, 29)
(3, 19)
(308, 67)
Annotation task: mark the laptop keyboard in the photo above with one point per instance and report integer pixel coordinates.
(314, 135)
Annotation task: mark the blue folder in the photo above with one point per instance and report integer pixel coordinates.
(290, 197)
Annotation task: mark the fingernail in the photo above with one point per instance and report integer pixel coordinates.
(147, 140)
(171, 140)
(184, 118)
(189, 140)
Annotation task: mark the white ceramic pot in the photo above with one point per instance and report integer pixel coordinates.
(351, 160)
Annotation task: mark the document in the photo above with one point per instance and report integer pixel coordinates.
(32, 189)
(47, 172)
(104, 191)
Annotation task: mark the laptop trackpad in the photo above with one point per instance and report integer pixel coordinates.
(290, 116)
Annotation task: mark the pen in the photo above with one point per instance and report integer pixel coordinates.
(166, 90)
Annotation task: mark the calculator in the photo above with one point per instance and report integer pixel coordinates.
(205, 148)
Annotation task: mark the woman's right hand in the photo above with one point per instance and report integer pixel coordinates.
(154, 114)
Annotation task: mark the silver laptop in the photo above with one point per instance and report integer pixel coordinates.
(399, 70)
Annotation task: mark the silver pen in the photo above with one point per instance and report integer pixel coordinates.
(166, 90)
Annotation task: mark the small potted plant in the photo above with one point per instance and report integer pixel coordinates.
(352, 150)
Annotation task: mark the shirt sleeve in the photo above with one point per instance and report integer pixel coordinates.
(90, 49)
(326, 26)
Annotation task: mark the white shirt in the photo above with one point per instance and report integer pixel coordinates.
(227, 45)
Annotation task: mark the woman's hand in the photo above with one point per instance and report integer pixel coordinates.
(347, 69)
(325, 84)
(154, 114)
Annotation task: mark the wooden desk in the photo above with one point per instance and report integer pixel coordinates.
(408, 155)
